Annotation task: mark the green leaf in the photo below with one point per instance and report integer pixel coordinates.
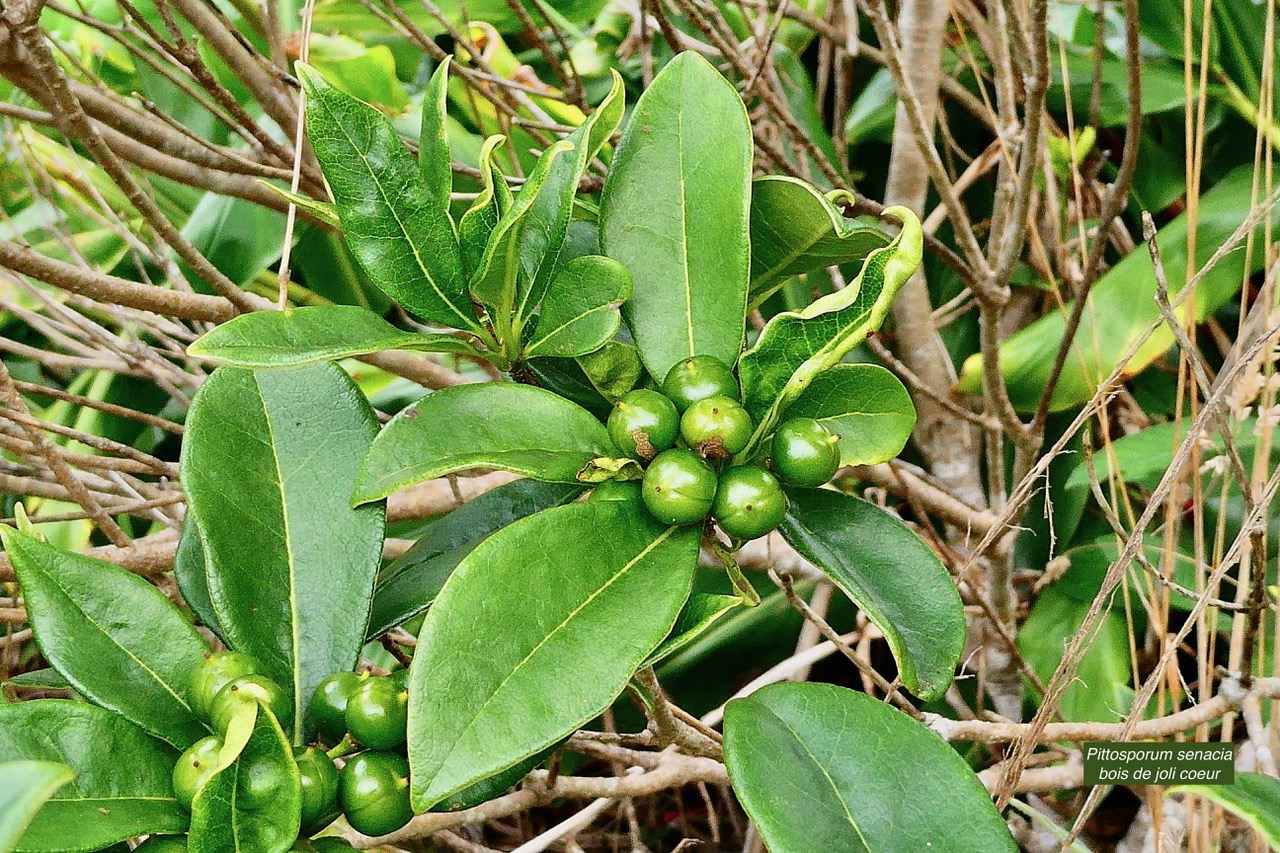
(795, 229)
(321, 210)
(1122, 306)
(110, 799)
(820, 767)
(115, 638)
(796, 346)
(241, 238)
(494, 199)
(700, 612)
(589, 589)
(253, 804)
(435, 160)
(580, 309)
(865, 405)
(307, 335)
(1254, 798)
(891, 574)
(24, 788)
(192, 577)
(675, 213)
(500, 425)
(268, 462)
(594, 381)
(367, 72)
(47, 678)
(543, 232)
(398, 230)
(409, 585)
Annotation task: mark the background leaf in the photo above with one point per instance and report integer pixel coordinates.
(820, 767)
(268, 462)
(889, 572)
(495, 425)
(675, 213)
(864, 404)
(1254, 798)
(112, 635)
(110, 799)
(589, 589)
(24, 787)
(580, 308)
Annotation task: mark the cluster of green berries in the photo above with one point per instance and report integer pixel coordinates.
(686, 433)
(359, 711)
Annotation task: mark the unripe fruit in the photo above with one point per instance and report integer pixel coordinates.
(194, 768)
(678, 487)
(378, 713)
(258, 688)
(643, 424)
(616, 490)
(328, 706)
(373, 789)
(805, 453)
(319, 777)
(215, 672)
(717, 427)
(749, 502)
(698, 378)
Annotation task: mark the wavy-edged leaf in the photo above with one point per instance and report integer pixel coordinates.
(494, 199)
(251, 805)
(409, 585)
(502, 425)
(435, 160)
(796, 346)
(109, 799)
(589, 589)
(398, 230)
(1254, 798)
(580, 309)
(543, 232)
(268, 461)
(265, 339)
(24, 788)
(675, 213)
(699, 613)
(820, 767)
(891, 574)
(796, 229)
(115, 638)
(864, 404)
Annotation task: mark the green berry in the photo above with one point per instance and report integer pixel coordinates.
(717, 427)
(374, 791)
(805, 453)
(163, 844)
(749, 502)
(616, 490)
(256, 687)
(643, 424)
(194, 768)
(678, 487)
(698, 378)
(328, 707)
(319, 777)
(216, 671)
(378, 713)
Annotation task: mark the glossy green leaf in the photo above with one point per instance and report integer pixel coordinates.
(435, 159)
(269, 460)
(24, 788)
(252, 805)
(398, 230)
(820, 767)
(580, 308)
(307, 335)
(1122, 307)
(675, 213)
(796, 346)
(111, 634)
(864, 404)
(891, 574)
(192, 578)
(501, 425)
(367, 72)
(1254, 798)
(543, 233)
(494, 199)
(47, 677)
(699, 613)
(589, 589)
(796, 229)
(594, 381)
(411, 583)
(109, 799)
